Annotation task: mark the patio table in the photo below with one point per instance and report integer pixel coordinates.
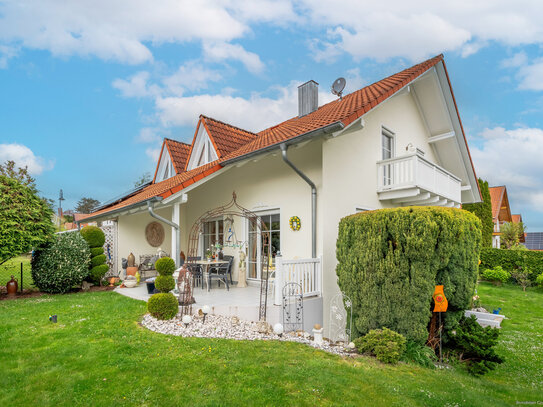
(205, 266)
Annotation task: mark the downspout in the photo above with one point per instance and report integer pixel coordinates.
(177, 232)
(313, 200)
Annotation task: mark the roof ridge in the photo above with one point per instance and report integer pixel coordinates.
(176, 141)
(228, 124)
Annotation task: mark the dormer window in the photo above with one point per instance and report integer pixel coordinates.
(165, 167)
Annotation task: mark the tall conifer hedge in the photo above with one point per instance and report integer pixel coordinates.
(391, 259)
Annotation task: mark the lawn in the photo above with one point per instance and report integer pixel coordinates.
(99, 355)
(13, 266)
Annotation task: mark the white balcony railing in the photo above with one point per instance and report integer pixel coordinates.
(306, 272)
(415, 171)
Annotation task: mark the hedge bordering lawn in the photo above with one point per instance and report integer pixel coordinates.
(390, 260)
(513, 259)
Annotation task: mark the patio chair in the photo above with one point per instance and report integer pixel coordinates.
(222, 272)
(196, 271)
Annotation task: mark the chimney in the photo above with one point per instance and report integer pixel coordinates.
(308, 98)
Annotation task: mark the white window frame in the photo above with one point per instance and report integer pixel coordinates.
(165, 167)
(267, 211)
(216, 220)
(203, 151)
(387, 168)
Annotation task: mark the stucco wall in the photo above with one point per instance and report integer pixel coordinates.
(131, 235)
(350, 172)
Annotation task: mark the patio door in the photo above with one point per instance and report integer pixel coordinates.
(255, 254)
(213, 233)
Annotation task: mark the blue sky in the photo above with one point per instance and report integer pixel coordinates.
(88, 89)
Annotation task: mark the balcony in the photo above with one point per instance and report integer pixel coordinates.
(413, 180)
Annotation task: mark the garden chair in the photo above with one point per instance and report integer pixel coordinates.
(222, 272)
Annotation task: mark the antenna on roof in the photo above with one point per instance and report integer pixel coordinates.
(338, 86)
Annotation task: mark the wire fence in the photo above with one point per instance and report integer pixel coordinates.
(19, 268)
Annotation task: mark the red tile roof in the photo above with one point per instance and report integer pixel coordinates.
(232, 142)
(496, 197)
(346, 110)
(179, 152)
(517, 218)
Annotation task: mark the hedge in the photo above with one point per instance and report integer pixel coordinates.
(390, 260)
(513, 259)
(483, 210)
(95, 238)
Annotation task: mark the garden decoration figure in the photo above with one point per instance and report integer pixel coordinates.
(12, 286)
(184, 285)
(440, 306)
(242, 282)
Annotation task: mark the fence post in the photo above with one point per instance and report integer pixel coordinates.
(278, 280)
(21, 277)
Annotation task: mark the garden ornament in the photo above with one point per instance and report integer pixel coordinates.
(440, 300)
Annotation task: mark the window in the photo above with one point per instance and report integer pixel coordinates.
(213, 233)
(387, 152)
(256, 245)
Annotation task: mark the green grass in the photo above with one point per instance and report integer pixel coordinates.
(98, 354)
(13, 266)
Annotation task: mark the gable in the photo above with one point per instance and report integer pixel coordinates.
(203, 150)
(165, 168)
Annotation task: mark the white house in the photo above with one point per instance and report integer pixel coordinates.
(396, 142)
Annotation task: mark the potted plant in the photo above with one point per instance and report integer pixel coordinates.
(208, 254)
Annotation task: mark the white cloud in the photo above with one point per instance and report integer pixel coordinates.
(221, 51)
(118, 30)
(517, 60)
(193, 76)
(421, 28)
(513, 158)
(24, 157)
(6, 53)
(254, 113)
(153, 153)
(149, 135)
(136, 86)
(531, 76)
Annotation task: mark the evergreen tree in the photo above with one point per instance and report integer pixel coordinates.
(483, 210)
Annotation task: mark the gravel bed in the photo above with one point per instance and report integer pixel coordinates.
(218, 326)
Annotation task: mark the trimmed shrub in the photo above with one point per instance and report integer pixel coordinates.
(390, 260)
(165, 266)
(421, 355)
(98, 260)
(475, 345)
(97, 273)
(97, 251)
(163, 306)
(95, 238)
(513, 260)
(386, 345)
(164, 284)
(61, 264)
(496, 274)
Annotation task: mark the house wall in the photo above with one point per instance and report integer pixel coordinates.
(261, 186)
(350, 172)
(131, 235)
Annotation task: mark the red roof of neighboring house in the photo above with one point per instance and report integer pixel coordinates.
(79, 216)
(496, 197)
(232, 142)
(517, 218)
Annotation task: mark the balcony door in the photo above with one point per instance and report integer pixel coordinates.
(272, 220)
(387, 152)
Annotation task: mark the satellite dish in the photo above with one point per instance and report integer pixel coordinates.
(338, 86)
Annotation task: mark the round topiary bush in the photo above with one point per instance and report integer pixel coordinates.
(61, 264)
(94, 236)
(96, 251)
(164, 284)
(165, 266)
(163, 306)
(386, 345)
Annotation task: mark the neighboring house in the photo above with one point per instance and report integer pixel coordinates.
(518, 219)
(534, 241)
(501, 213)
(396, 142)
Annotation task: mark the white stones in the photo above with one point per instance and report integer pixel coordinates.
(218, 326)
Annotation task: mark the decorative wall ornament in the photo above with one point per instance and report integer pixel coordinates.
(295, 223)
(293, 307)
(341, 318)
(154, 233)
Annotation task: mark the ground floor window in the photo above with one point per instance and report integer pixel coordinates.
(272, 221)
(213, 233)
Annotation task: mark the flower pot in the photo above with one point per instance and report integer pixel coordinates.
(131, 270)
(130, 283)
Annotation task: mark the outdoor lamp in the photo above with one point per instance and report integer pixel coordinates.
(205, 310)
(278, 329)
(187, 319)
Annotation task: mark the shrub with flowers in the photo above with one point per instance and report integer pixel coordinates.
(61, 264)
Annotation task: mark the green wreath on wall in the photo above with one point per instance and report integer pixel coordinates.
(295, 223)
